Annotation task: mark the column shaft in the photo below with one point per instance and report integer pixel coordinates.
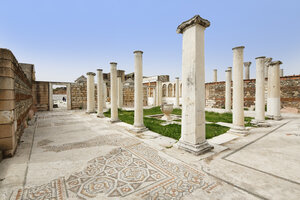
(177, 93)
(215, 75)
(274, 97)
(120, 92)
(228, 91)
(90, 92)
(238, 91)
(104, 95)
(50, 96)
(100, 93)
(69, 103)
(193, 136)
(113, 93)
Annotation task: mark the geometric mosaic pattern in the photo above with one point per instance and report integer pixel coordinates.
(133, 170)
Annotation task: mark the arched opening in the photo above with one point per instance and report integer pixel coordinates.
(164, 90)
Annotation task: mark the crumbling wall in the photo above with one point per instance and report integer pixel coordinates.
(15, 101)
(289, 89)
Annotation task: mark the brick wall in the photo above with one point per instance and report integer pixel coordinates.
(289, 89)
(15, 101)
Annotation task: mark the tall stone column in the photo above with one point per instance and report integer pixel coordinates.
(138, 92)
(69, 103)
(274, 97)
(104, 95)
(281, 72)
(113, 93)
(193, 136)
(238, 92)
(90, 92)
(228, 91)
(267, 62)
(177, 92)
(158, 93)
(215, 75)
(50, 97)
(120, 92)
(154, 96)
(260, 93)
(100, 93)
(247, 70)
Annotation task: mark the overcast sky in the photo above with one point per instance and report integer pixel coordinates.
(65, 39)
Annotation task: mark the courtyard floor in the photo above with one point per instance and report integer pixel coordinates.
(73, 155)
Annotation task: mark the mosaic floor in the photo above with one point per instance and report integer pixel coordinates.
(133, 170)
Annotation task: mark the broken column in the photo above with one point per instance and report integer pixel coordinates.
(138, 93)
(228, 91)
(215, 75)
(100, 93)
(260, 93)
(247, 70)
(267, 62)
(90, 92)
(120, 92)
(193, 137)
(281, 72)
(238, 92)
(113, 93)
(274, 97)
(177, 93)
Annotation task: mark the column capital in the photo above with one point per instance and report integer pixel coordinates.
(247, 64)
(278, 62)
(113, 63)
(239, 47)
(191, 22)
(177, 78)
(99, 70)
(228, 70)
(90, 74)
(261, 57)
(138, 51)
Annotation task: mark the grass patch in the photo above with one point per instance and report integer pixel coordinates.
(171, 130)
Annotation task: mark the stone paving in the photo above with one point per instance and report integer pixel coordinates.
(72, 155)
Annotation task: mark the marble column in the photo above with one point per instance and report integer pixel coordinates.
(228, 91)
(50, 97)
(215, 75)
(260, 93)
(104, 95)
(238, 92)
(274, 97)
(100, 93)
(177, 93)
(154, 96)
(69, 105)
(281, 72)
(247, 70)
(90, 92)
(113, 93)
(158, 93)
(267, 74)
(120, 92)
(193, 136)
(267, 62)
(138, 92)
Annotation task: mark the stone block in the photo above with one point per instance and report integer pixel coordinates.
(6, 83)
(6, 130)
(7, 95)
(7, 105)
(6, 117)
(6, 72)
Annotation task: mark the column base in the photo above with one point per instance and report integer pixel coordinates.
(100, 115)
(260, 123)
(112, 121)
(238, 130)
(195, 149)
(139, 129)
(277, 118)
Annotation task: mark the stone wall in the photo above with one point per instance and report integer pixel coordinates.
(15, 101)
(128, 96)
(289, 88)
(79, 95)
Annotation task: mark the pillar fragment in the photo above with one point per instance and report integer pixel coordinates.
(100, 93)
(193, 137)
(215, 75)
(260, 93)
(228, 91)
(90, 92)
(238, 92)
(113, 93)
(247, 70)
(274, 96)
(138, 93)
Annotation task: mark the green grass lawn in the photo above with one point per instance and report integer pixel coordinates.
(174, 130)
